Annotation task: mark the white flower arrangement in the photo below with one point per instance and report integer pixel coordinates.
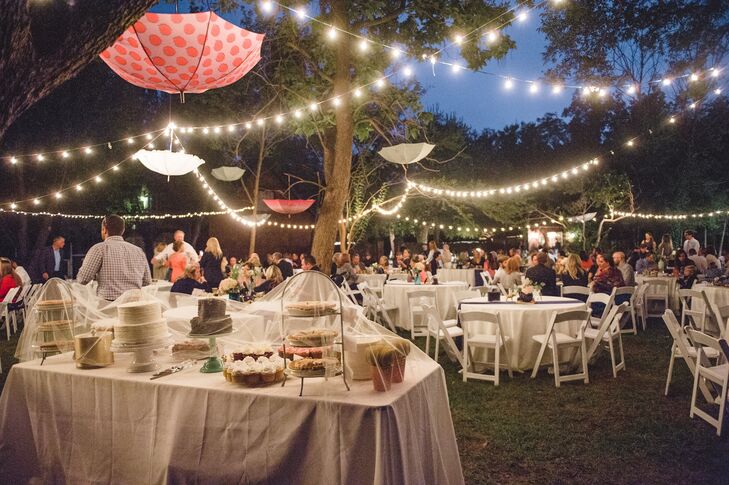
(228, 285)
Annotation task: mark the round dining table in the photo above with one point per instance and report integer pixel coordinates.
(395, 293)
(673, 300)
(452, 274)
(520, 322)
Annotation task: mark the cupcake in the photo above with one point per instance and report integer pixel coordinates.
(268, 373)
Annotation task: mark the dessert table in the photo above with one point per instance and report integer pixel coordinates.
(396, 293)
(673, 300)
(60, 424)
(521, 321)
(464, 275)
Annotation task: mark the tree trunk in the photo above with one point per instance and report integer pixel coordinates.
(41, 50)
(256, 186)
(337, 149)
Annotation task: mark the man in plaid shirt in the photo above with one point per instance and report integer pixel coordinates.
(117, 265)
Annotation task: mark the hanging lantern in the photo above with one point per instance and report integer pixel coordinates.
(406, 153)
(227, 174)
(287, 206)
(167, 162)
(183, 53)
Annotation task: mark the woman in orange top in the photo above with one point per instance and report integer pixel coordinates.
(177, 261)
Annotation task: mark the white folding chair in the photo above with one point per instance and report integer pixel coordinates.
(487, 279)
(719, 314)
(20, 301)
(376, 307)
(630, 309)
(555, 340)
(351, 294)
(607, 302)
(481, 339)
(609, 333)
(640, 304)
(438, 331)
(659, 291)
(697, 318)
(566, 291)
(5, 312)
(461, 295)
(717, 374)
(682, 348)
(416, 301)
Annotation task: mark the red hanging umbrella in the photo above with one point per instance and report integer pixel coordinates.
(183, 53)
(286, 206)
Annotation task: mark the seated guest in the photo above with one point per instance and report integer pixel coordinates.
(680, 262)
(232, 262)
(624, 267)
(533, 260)
(357, 266)
(22, 274)
(607, 276)
(383, 265)
(335, 264)
(712, 272)
(8, 278)
(710, 254)
(477, 261)
(254, 260)
(345, 270)
(398, 260)
(435, 263)
(543, 275)
(405, 264)
(572, 273)
(511, 276)
(190, 280)
(274, 277)
(286, 269)
(646, 264)
(177, 261)
(368, 259)
(308, 263)
(117, 265)
(698, 260)
(585, 261)
(635, 255)
(688, 278)
(295, 261)
(492, 264)
(502, 260)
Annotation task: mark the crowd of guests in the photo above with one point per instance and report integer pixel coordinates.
(118, 266)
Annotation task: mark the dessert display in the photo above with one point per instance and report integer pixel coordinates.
(55, 320)
(190, 350)
(93, 350)
(211, 318)
(140, 323)
(311, 308)
(303, 352)
(326, 366)
(253, 351)
(313, 337)
(254, 372)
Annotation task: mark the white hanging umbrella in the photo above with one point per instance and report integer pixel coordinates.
(228, 174)
(585, 217)
(406, 153)
(167, 162)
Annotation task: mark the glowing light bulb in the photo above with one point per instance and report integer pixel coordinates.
(206, 130)
(364, 45)
(115, 168)
(231, 128)
(36, 201)
(630, 143)
(40, 157)
(433, 59)
(407, 71)
(556, 89)
(714, 72)
(313, 107)
(666, 82)
(717, 91)
(13, 206)
(522, 17)
(248, 125)
(380, 83)
(79, 188)
(671, 119)
(58, 195)
(692, 106)
(151, 146)
(602, 92)
(694, 77)
(357, 93)
(332, 33)
(301, 13)
(130, 140)
(279, 119)
(632, 89)
(260, 122)
(395, 53)
(13, 160)
(455, 67)
(267, 6)
(508, 84)
(149, 136)
(297, 114)
(534, 88)
(216, 129)
(97, 179)
(492, 36)
(336, 102)
(458, 39)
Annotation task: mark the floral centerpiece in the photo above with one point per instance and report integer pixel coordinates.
(230, 287)
(417, 273)
(526, 291)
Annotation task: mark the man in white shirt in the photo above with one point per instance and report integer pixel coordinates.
(189, 251)
(691, 243)
(117, 265)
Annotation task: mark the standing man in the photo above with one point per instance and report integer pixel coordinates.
(47, 262)
(117, 265)
(189, 251)
(287, 270)
(691, 243)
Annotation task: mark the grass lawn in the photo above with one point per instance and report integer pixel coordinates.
(620, 430)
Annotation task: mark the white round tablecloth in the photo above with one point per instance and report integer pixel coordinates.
(673, 300)
(521, 321)
(718, 295)
(372, 280)
(464, 275)
(396, 293)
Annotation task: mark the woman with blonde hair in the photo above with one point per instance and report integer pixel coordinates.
(190, 280)
(572, 273)
(512, 276)
(274, 277)
(213, 262)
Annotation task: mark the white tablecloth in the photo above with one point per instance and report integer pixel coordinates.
(464, 275)
(396, 293)
(673, 299)
(521, 322)
(59, 424)
(716, 294)
(372, 280)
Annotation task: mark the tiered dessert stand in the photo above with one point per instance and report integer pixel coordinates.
(213, 363)
(327, 371)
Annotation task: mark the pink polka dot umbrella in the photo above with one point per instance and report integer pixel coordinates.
(183, 53)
